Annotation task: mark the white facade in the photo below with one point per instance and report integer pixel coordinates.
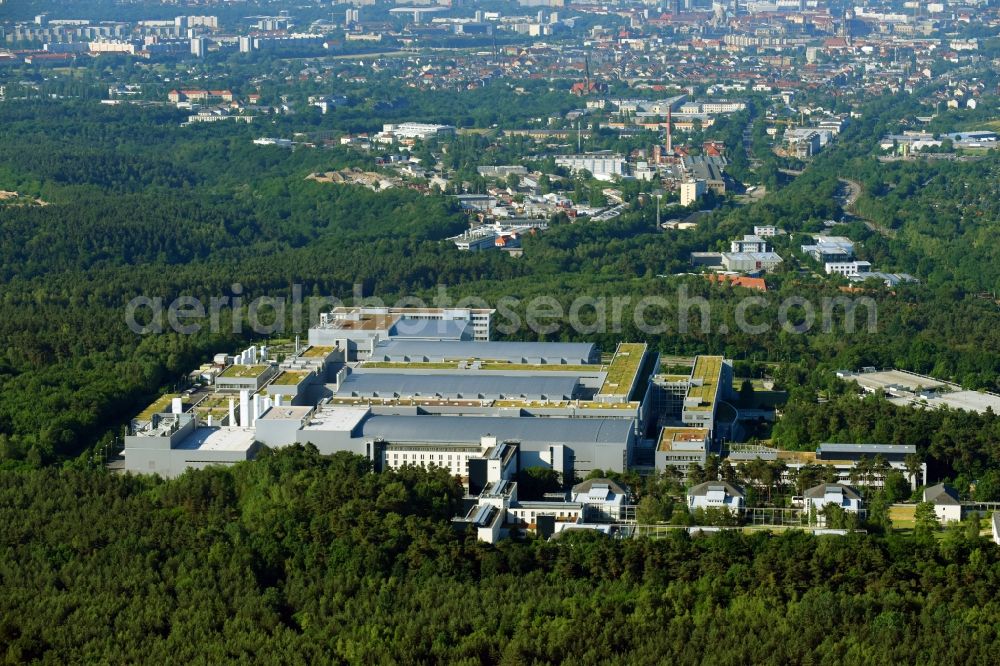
(948, 513)
(452, 457)
(749, 243)
(715, 495)
(830, 248)
(722, 106)
(847, 268)
(946, 503)
(818, 498)
(602, 500)
(479, 318)
(601, 167)
(171, 444)
(417, 131)
(691, 191)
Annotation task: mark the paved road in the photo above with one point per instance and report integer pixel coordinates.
(850, 197)
(853, 192)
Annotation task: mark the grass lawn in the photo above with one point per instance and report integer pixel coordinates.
(902, 517)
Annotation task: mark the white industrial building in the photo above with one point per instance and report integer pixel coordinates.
(909, 388)
(847, 268)
(766, 231)
(833, 249)
(173, 443)
(749, 243)
(601, 167)
(358, 329)
(422, 131)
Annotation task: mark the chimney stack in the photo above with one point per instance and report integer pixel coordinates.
(244, 408)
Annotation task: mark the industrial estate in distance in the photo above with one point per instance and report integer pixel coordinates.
(428, 387)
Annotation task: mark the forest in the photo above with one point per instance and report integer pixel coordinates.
(299, 558)
(135, 204)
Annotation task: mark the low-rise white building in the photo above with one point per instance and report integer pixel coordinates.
(417, 131)
(602, 500)
(716, 495)
(847, 268)
(946, 503)
(818, 498)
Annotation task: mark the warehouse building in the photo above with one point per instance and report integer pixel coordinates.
(173, 443)
(357, 329)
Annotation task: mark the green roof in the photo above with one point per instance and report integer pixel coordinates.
(161, 404)
(315, 352)
(546, 367)
(290, 377)
(708, 369)
(623, 369)
(243, 371)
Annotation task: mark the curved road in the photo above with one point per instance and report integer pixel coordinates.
(848, 200)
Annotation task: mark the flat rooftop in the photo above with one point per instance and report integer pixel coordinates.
(218, 439)
(464, 385)
(887, 378)
(589, 369)
(365, 323)
(517, 352)
(939, 393)
(341, 310)
(970, 401)
(471, 428)
(866, 449)
(317, 352)
(417, 328)
(623, 368)
(290, 377)
(336, 418)
(709, 370)
(243, 371)
(680, 434)
(285, 413)
(161, 404)
(672, 378)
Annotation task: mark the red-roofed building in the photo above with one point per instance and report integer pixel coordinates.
(738, 281)
(199, 95)
(713, 148)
